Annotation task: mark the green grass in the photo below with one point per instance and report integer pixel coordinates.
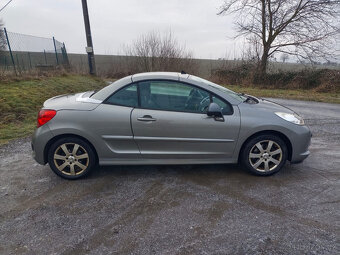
(306, 95)
(20, 101)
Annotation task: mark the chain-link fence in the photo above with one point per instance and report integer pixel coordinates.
(20, 53)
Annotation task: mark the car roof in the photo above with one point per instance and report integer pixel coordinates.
(183, 77)
(158, 75)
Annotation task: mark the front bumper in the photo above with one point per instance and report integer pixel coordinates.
(40, 139)
(300, 145)
(301, 157)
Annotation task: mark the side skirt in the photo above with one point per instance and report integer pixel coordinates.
(105, 162)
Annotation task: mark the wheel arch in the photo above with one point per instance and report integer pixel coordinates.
(54, 139)
(269, 132)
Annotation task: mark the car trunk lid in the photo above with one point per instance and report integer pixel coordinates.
(78, 101)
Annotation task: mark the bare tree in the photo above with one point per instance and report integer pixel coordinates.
(294, 27)
(156, 52)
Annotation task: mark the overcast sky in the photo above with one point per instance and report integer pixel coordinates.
(116, 23)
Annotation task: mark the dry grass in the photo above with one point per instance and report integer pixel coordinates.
(297, 94)
(21, 100)
(325, 80)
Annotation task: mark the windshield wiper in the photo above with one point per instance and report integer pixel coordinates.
(241, 95)
(94, 92)
(244, 95)
(249, 99)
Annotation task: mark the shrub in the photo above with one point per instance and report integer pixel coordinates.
(322, 80)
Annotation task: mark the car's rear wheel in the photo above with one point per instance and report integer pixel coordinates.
(264, 155)
(71, 158)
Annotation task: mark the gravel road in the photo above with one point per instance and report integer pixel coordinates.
(204, 209)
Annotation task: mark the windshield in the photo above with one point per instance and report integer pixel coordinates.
(231, 93)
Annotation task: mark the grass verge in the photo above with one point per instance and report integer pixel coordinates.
(305, 95)
(20, 101)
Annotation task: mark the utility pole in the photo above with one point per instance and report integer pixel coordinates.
(89, 48)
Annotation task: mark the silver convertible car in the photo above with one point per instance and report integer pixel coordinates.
(166, 118)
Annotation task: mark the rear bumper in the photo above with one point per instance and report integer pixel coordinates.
(40, 138)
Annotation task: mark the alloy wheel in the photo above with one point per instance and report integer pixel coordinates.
(71, 159)
(265, 156)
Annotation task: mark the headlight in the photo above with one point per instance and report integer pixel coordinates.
(294, 118)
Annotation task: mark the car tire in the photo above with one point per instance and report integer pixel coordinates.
(264, 155)
(71, 158)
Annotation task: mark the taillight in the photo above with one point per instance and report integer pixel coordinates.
(45, 116)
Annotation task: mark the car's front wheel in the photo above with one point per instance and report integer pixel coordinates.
(71, 158)
(264, 154)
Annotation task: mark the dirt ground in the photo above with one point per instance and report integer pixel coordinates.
(196, 209)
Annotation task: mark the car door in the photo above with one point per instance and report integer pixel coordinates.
(112, 123)
(171, 122)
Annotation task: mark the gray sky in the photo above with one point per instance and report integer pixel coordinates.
(116, 23)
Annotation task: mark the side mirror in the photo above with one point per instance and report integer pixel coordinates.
(215, 111)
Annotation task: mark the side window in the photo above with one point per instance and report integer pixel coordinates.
(126, 96)
(172, 96)
(226, 108)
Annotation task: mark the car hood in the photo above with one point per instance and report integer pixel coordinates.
(270, 106)
(79, 101)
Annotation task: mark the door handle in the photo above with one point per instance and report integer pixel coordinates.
(146, 118)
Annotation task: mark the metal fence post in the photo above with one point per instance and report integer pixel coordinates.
(23, 63)
(18, 64)
(55, 49)
(10, 51)
(65, 56)
(45, 57)
(29, 59)
(5, 62)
